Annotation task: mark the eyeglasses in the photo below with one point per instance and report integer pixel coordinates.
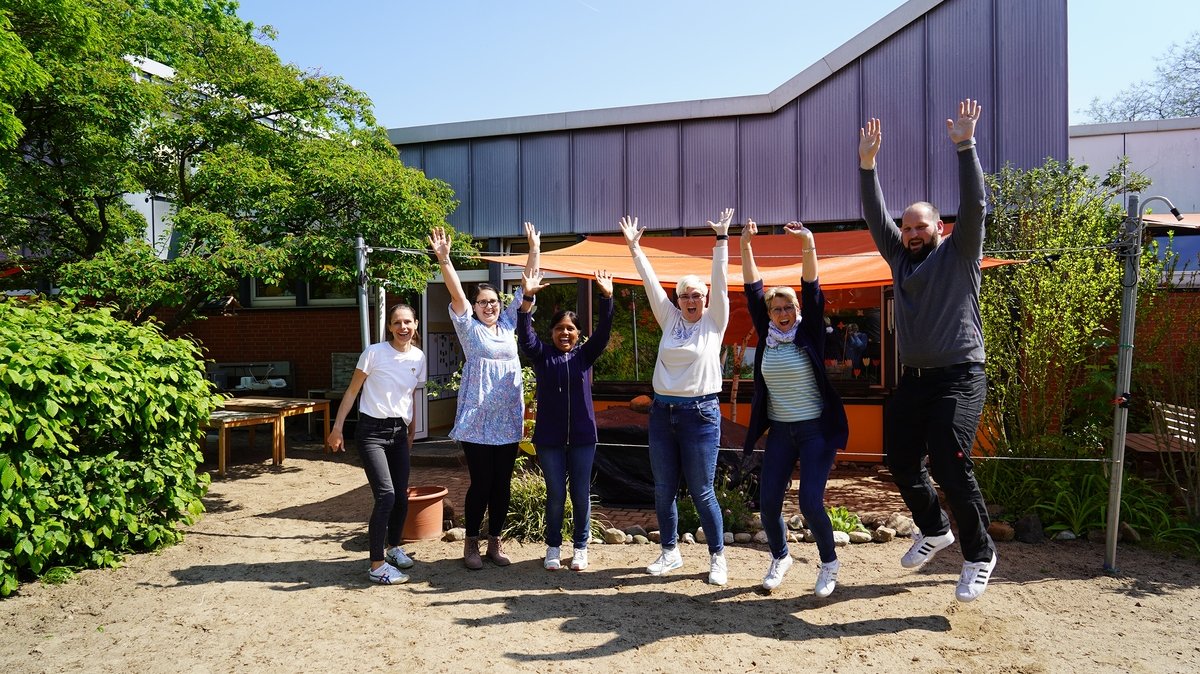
(487, 303)
(789, 309)
(694, 297)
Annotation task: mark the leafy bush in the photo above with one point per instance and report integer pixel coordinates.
(99, 438)
(527, 509)
(734, 500)
(844, 520)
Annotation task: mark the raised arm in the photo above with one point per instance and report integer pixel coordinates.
(533, 260)
(718, 296)
(870, 137)
(968, 227)
(809, 245)
(596, 344)
(883, 229)
(750, 272)
(439, 241)
(660, 304)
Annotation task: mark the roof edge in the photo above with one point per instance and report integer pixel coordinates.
(1140, 126)
(756, 104)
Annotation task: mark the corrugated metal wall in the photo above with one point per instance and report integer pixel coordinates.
(801, 161)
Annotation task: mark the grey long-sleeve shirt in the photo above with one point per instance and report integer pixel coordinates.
(937, 300)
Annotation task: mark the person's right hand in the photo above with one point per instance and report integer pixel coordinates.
(604, 280)
(870, 137)
(798, 229)
(439, 241)
(532, 283)
(629, 227)
(748, 232)
(335, 441)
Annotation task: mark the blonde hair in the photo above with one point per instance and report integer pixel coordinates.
(782, 291)
(690, 281)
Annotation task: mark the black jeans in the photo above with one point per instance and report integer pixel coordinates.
(491, 469)
(383, 448)
(935, 413)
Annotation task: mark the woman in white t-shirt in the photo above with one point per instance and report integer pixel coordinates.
(388, 373)
(685, 418)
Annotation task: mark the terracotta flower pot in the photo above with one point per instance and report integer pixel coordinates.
(424, 519)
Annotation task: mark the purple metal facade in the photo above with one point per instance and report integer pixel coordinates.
(799, 162)
(545, 182)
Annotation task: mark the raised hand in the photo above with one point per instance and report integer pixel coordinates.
(963, 128)
(439, 241)
(870, 137)
(531, 283)
(798, 229)
(533, 236)
(629, 227)
(748, 232)
(604, 280)
(721, 226)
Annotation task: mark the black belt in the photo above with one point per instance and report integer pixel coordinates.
(910, 371)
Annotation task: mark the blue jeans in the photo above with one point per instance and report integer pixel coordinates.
(788, 442)
(558, 464)
(683, 443)
(383, 447)
(936, 414)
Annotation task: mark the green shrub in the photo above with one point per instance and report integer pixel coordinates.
(735, 503)
(99, 438)
(844, 520)
(526, 519)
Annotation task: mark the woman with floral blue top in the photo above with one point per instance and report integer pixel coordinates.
(491, 409)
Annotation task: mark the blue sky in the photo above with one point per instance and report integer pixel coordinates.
(437, 61)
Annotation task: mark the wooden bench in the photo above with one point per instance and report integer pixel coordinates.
(1174, 433)
(282, 408)
(224, 419)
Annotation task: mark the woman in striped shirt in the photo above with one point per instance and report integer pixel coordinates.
(793, 397)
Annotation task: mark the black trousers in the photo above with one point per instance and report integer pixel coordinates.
(491, 470)
(935, 414)
(383, 448)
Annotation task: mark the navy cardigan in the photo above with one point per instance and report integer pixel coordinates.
(811, 338)
(564, 382)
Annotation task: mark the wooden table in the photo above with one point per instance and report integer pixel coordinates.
(225, 419)
(283, 407)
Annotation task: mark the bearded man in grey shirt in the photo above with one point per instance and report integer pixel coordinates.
(935, 411)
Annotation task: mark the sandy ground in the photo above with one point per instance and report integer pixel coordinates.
(273, 579)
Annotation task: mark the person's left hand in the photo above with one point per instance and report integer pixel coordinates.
(531, 283)
(721, 226)
(798, 229)
(533, 236)
(604, 280)
(963, 128)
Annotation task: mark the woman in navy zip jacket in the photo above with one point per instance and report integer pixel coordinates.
(793, 397)
(565, 432)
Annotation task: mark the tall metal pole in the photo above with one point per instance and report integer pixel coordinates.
(364, 308)
(1131, 242)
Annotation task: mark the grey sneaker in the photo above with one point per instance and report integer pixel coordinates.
(668, 561)
(387, 575)
(397, 558)
(718, 572)
(552, 562)
(776, 572)
(924, 548)
(974, 579)
(827, 578)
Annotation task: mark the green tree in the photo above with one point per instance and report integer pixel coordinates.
(271, 171)
(1049, 324)
(1174, 91)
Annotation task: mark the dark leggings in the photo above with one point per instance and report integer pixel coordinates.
(383, 448)
(491, 469)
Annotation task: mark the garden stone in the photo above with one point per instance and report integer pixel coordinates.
(841, 539)
(873, 519)
(689, 539)
(742, 538)
(795, 523)
(655, 536)
(1001, 531)
(728, 538)
(884, 534)
(700, 536)
(454, 534)
(1129, 534)
(1065, 535)
(1028, 529)
(639, 539)
(793, 537)
(901, 524)
(859, 536)
(760, 537)
(614, 535)
(635, 530)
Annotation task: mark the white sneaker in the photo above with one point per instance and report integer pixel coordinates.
(974, 579)
(718, 573)
(827, 578)
(579, 560)
(397, 558)
(552, 563)
(776, 572)
(924, 548)
(668, 561)
(387, 575)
